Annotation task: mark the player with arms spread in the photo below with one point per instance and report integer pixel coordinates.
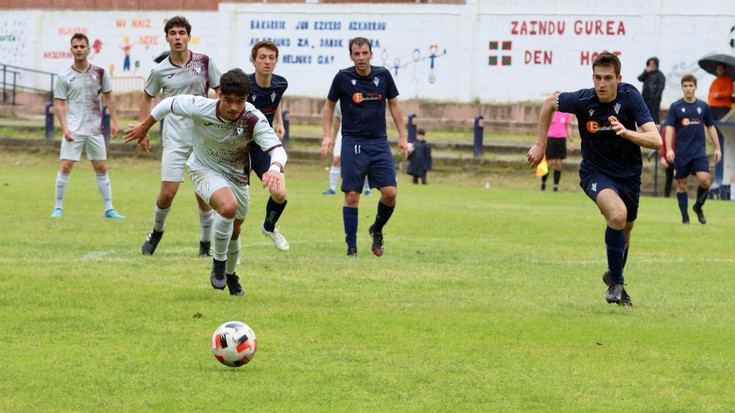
(223, 129)
(611, 167)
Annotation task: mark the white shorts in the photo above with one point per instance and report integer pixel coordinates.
(207, 182)
(94, 147)
(337, 145)
(173, 162)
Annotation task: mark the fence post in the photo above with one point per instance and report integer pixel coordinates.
(49, 122)
(479, 129)
(5, 93)
(286, 127)
(105, 123)
(412, 121)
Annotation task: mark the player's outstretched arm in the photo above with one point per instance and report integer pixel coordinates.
(139, 131)
(397, 115)
(717, 153)
(328, 139)
(649, 137)
(538, 150)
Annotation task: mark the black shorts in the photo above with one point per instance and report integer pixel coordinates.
(556, 148)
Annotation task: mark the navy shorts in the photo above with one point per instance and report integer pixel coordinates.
(259, 161)
(628, 189)
(367, 157)
(686, 167)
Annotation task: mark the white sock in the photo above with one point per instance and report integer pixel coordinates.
(103, 184)
(222, 233)
(62, 180)
(334, 172)
(233, 252)
(205, 223)
(732, 191)
(159, 218)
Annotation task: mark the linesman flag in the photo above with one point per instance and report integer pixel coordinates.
(542, 168)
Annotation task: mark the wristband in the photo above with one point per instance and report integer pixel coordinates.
(275, 168)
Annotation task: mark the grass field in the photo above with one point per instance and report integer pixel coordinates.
(485, 300)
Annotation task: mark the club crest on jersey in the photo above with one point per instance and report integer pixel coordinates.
(683, 110)
(273, 97)
(242, 128)
(592, 111)
(376, 81)
(198, 69)
(94, 77)
(354, 82)
(617, 108)
(699, 111)
(253, 96)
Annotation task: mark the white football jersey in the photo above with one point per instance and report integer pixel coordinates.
(81, 91)
(221, 145)
(194, 78)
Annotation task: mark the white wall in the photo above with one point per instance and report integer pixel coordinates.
(314, 40)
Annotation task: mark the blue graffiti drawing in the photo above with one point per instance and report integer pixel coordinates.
(416, 58)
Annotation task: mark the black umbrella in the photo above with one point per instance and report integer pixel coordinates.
(161, 57)
(709, 64)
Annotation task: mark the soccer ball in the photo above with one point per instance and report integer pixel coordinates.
(234, 344)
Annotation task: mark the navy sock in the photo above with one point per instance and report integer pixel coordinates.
(273, 211)
(557, 177)
(349, 216)
(615, 243)
(383, 215)
(701, 196)
(682, 198)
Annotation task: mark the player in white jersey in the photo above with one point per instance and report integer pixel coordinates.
(184, 72)
(78, 107)
(219, 164)
(336, 168)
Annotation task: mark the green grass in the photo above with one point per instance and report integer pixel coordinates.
(485, 300)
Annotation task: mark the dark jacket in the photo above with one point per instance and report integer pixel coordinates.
(419, 161)
(653, 83)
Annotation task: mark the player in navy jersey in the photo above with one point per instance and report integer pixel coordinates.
(362, 91)
(78, 106)
(610, 171)
(266, 91)
(691, 117)
(183, 72)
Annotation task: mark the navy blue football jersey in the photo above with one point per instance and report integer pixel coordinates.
(363, 101)
(689, 120)
(602, 150)
(267, 99)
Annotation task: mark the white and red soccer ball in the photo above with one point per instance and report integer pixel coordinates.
(234, 344)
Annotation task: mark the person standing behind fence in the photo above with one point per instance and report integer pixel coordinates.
(419, 159)
(556, 147)
(654, 83)
(183, 72)
(78, 106)
(691, 119)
